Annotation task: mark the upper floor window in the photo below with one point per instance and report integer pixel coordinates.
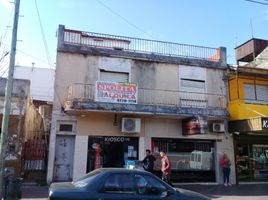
(191, 85)
(255, 93)
(114, 76)
(192, 93)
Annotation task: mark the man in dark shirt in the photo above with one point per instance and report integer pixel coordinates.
(148, 161)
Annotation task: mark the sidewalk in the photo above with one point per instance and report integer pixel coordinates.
(34, 191)
(219, 192)
(237, 192)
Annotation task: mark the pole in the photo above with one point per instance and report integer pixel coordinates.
(7, 103)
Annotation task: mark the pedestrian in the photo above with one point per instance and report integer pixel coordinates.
(148, 161)
(165, 167)
(226, 168)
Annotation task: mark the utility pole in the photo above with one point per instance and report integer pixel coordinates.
(7, 103)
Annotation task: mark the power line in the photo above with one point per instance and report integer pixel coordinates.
(4, 56)
(258, 2)
(7, 27)
(4, 70)
(27, 54)
(123, 18)
(43, 35)
(4, 52)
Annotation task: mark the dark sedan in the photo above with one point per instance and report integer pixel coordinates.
(119, 184)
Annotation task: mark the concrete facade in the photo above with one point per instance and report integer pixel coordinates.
(159, 108)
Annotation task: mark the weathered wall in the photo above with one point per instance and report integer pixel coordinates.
(216, 80)
(33, 126)
(149, 75)
(20, 92)
(102, 124)
(21, 88)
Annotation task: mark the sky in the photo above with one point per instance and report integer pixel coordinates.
(210, 23)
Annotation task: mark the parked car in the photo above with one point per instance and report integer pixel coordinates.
(119, 184)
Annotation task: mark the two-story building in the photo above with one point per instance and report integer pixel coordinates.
(117, 96)
(248, 110)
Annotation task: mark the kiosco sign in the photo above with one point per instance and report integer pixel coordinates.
(113, 92)
(264, 123)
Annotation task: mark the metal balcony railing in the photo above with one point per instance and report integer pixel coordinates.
(82, 92)
(131, 44)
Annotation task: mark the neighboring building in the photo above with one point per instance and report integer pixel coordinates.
(249, 113)
(37, 120)
(249, 50)
(42, 81)
(117, 96)
(19, 97)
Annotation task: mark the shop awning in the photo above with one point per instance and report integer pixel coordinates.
(254, 125)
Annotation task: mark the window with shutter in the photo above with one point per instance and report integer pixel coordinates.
(193, 93)
(249, 92)
(114, 76)
(257, 94)
(262, 92)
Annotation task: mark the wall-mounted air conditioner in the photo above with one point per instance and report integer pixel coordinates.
(218, 127)
(131, 125)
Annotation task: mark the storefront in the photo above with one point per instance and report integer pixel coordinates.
(251, 149)
(251, 157)
(191, 160)
(111, 151)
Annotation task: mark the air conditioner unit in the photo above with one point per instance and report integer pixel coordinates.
(218, 127)
(131, 125)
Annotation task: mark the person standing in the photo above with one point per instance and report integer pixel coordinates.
(148, 161)
(165, 167)
(226, 169)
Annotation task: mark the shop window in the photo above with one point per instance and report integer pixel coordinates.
(252, 161)
(191, 160)
(111, 151)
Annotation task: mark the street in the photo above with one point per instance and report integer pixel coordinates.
(219, 192)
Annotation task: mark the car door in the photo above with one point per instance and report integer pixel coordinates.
(150, 188)
(119, 186)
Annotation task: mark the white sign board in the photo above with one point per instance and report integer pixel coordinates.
(113, 92)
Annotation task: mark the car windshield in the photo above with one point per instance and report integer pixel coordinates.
(82, 182)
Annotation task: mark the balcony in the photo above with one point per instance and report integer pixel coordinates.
(96, 43)
(81, 98)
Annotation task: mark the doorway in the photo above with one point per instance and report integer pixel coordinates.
(64, 155)
(114, 154)
(114, 151)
